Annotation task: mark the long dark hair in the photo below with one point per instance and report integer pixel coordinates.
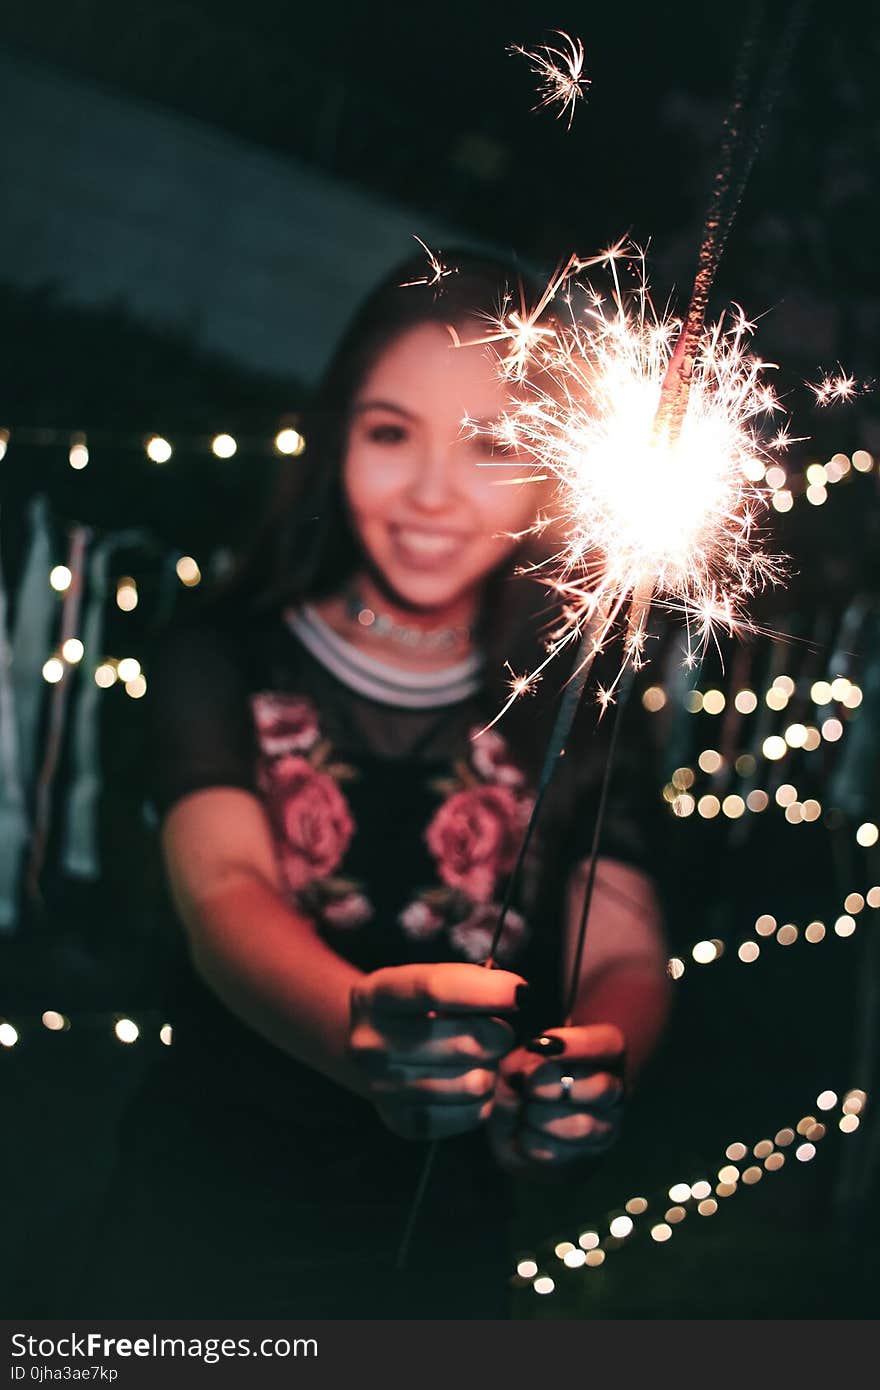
(305, 547)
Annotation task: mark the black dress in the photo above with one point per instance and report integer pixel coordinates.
(247, 1184)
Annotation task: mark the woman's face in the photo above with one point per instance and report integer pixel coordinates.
(430, 517)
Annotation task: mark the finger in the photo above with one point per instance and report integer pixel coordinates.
(525, 1072)
(434, 1122)
(540, 1147)
(448, 1040)
(506, 1105)
(589, 1042)
(571, 1126)
(449, 985)
(600, 1089)
(415, 1085)
(405, 1040)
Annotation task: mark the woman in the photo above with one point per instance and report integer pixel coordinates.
(337, 843)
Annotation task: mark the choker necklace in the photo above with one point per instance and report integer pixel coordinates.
(415, 638)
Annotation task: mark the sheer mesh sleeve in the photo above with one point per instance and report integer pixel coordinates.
(199, 729)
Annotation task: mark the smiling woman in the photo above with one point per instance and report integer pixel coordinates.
(433, 517)
(338, 836)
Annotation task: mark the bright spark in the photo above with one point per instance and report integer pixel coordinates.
(834, 389)
(560, 71)
(437, 271)
(641, 515)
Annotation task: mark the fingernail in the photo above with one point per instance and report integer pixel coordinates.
(521, 995)
(549, 1047)
(420, 1124)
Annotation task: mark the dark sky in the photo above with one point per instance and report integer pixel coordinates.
(419, 101)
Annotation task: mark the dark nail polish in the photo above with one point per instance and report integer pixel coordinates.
(420, 1124)
(548, 1047)
(521, 995)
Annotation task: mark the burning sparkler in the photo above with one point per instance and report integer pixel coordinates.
(656, 498)
(560, 70)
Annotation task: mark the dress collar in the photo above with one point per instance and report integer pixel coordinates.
(380, 680)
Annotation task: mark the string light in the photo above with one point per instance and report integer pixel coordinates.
(126, 1030)
(55, 1022)
(223, 446)
(105, 675)
(60, 578)
(621, 1227)
(287, 441)
(707, 951)
(158, 449)
(290, 442)
(730, 1181)
(53, 670)
(126, 594)
(773, 748)
(8, 1035)
(128, 669)
(72, 650)
(188, 571)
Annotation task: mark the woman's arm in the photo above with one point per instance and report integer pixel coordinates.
(264, 961)
(422, 1042)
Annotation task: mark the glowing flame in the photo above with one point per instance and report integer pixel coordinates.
(645, 512)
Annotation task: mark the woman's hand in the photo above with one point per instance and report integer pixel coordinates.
(558, 1100)
(427, 1040)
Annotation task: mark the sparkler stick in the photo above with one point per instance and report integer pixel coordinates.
(623, 700)
(588, 649)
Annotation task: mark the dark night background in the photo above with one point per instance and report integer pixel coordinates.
(416, 117)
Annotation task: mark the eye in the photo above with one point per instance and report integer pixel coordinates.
(484, 445)
(387, 433)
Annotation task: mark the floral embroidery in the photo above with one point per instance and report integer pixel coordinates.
(285, 724)
(474, 838)
(308, 811)
(473, 936)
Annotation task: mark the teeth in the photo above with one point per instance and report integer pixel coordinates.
(423, 543)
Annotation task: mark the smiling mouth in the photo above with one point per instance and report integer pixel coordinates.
(426, 549)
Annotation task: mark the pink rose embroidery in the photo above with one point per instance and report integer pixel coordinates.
(474, 837)
(473, 936)
(285, 723)
(419, 921)
(311, 816)
(352, 910)
(491, 759)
